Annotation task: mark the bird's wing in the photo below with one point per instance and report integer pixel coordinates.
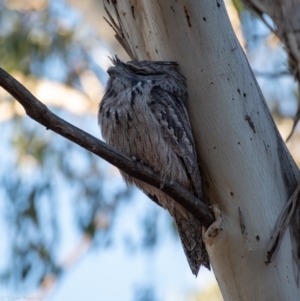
(171, 114)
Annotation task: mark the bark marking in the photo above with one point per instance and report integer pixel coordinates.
(242, 223)
(251, 123)
(187, 16)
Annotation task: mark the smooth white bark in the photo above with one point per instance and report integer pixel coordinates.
(248, 172)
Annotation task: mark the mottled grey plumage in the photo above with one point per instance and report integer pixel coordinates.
(143, 114)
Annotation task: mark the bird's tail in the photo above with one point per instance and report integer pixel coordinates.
(190, 232)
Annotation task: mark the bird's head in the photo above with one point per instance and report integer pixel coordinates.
(124, 76)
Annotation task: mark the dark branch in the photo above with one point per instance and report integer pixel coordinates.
(40, 113)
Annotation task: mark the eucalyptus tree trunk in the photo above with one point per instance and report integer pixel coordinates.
(248, 173)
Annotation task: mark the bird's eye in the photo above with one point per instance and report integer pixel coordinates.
(112, 72)
(141, 72)
(147, 73)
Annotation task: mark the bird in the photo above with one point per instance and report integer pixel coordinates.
(143, 113)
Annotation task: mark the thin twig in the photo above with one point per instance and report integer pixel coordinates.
(117, 27)
(40, 113)
(272, 74)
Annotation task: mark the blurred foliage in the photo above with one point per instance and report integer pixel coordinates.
(239, 5)
(45, 39)
(42, 40)
(40, 167)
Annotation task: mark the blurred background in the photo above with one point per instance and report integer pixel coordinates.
(70, 228)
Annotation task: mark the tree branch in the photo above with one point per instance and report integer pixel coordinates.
(271, 74)
(40, 113)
